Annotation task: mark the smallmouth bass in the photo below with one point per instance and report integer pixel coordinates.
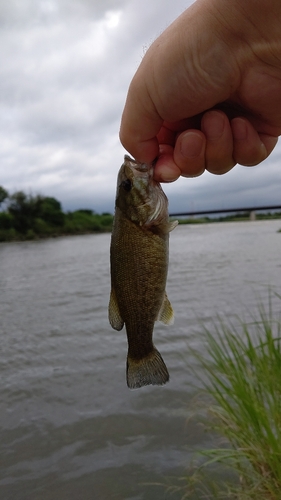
(139, 265)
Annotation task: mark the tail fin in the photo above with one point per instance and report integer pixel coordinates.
(150, 370)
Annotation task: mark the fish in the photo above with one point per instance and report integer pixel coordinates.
(139, 254)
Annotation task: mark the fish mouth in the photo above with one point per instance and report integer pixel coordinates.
(140, 167)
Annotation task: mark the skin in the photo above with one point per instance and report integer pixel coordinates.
(207, 94)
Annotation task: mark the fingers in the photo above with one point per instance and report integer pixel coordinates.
(166, 170)
(249, 147)
(186, 158)
(217, 147)
(269, 142)
(189, 153)
(210, 148)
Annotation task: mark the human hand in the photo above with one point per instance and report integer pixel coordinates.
(207, 94)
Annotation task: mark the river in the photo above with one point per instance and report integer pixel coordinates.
(69, 426)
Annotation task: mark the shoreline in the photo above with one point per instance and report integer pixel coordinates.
(31, 236)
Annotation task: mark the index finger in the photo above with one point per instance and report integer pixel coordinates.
(140, 123)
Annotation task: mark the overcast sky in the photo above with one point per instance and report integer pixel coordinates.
(65, 69)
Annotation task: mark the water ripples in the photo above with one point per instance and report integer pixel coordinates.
(69, 426)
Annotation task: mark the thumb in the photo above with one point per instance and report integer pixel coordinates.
(140, 123)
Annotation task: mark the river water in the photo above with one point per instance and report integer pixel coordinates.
(69, 426)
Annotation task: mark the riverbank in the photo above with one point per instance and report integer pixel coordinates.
(241, 375)
(29, 217)
(74, 223)
(86, 222)
(236, 217)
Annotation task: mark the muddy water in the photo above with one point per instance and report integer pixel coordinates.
(69, 426)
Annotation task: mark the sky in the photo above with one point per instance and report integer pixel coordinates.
(65, 69)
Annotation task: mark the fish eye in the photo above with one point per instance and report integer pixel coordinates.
(127, 185)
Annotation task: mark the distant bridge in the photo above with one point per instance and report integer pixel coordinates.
(252, 211)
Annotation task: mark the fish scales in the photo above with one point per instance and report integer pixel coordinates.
(139, 275)
(139, 265)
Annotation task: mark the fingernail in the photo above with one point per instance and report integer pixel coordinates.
(239, 129)
(191, 145)
(168, 174)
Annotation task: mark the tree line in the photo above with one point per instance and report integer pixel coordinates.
(27, 216)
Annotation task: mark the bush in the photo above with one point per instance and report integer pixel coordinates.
(6, 221)
(106, 220)
(42, 228)
(30, 235)
(8, 235)
(81, 221)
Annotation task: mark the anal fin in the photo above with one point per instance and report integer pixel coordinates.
(166, 313)
(114, 315)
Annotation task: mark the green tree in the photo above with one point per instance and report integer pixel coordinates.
(3, 195)
(50, 211)
(22, 208)
(27, 210)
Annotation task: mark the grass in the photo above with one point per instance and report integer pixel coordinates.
(243, 372)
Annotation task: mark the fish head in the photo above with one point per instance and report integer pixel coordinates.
(139, 196)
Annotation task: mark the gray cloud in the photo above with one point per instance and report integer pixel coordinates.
(65, 66)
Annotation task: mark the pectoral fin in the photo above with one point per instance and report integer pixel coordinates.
(166, 313)
(114, 315)
(173, 224)
(167, 227)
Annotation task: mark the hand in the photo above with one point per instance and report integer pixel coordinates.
(207, 94)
